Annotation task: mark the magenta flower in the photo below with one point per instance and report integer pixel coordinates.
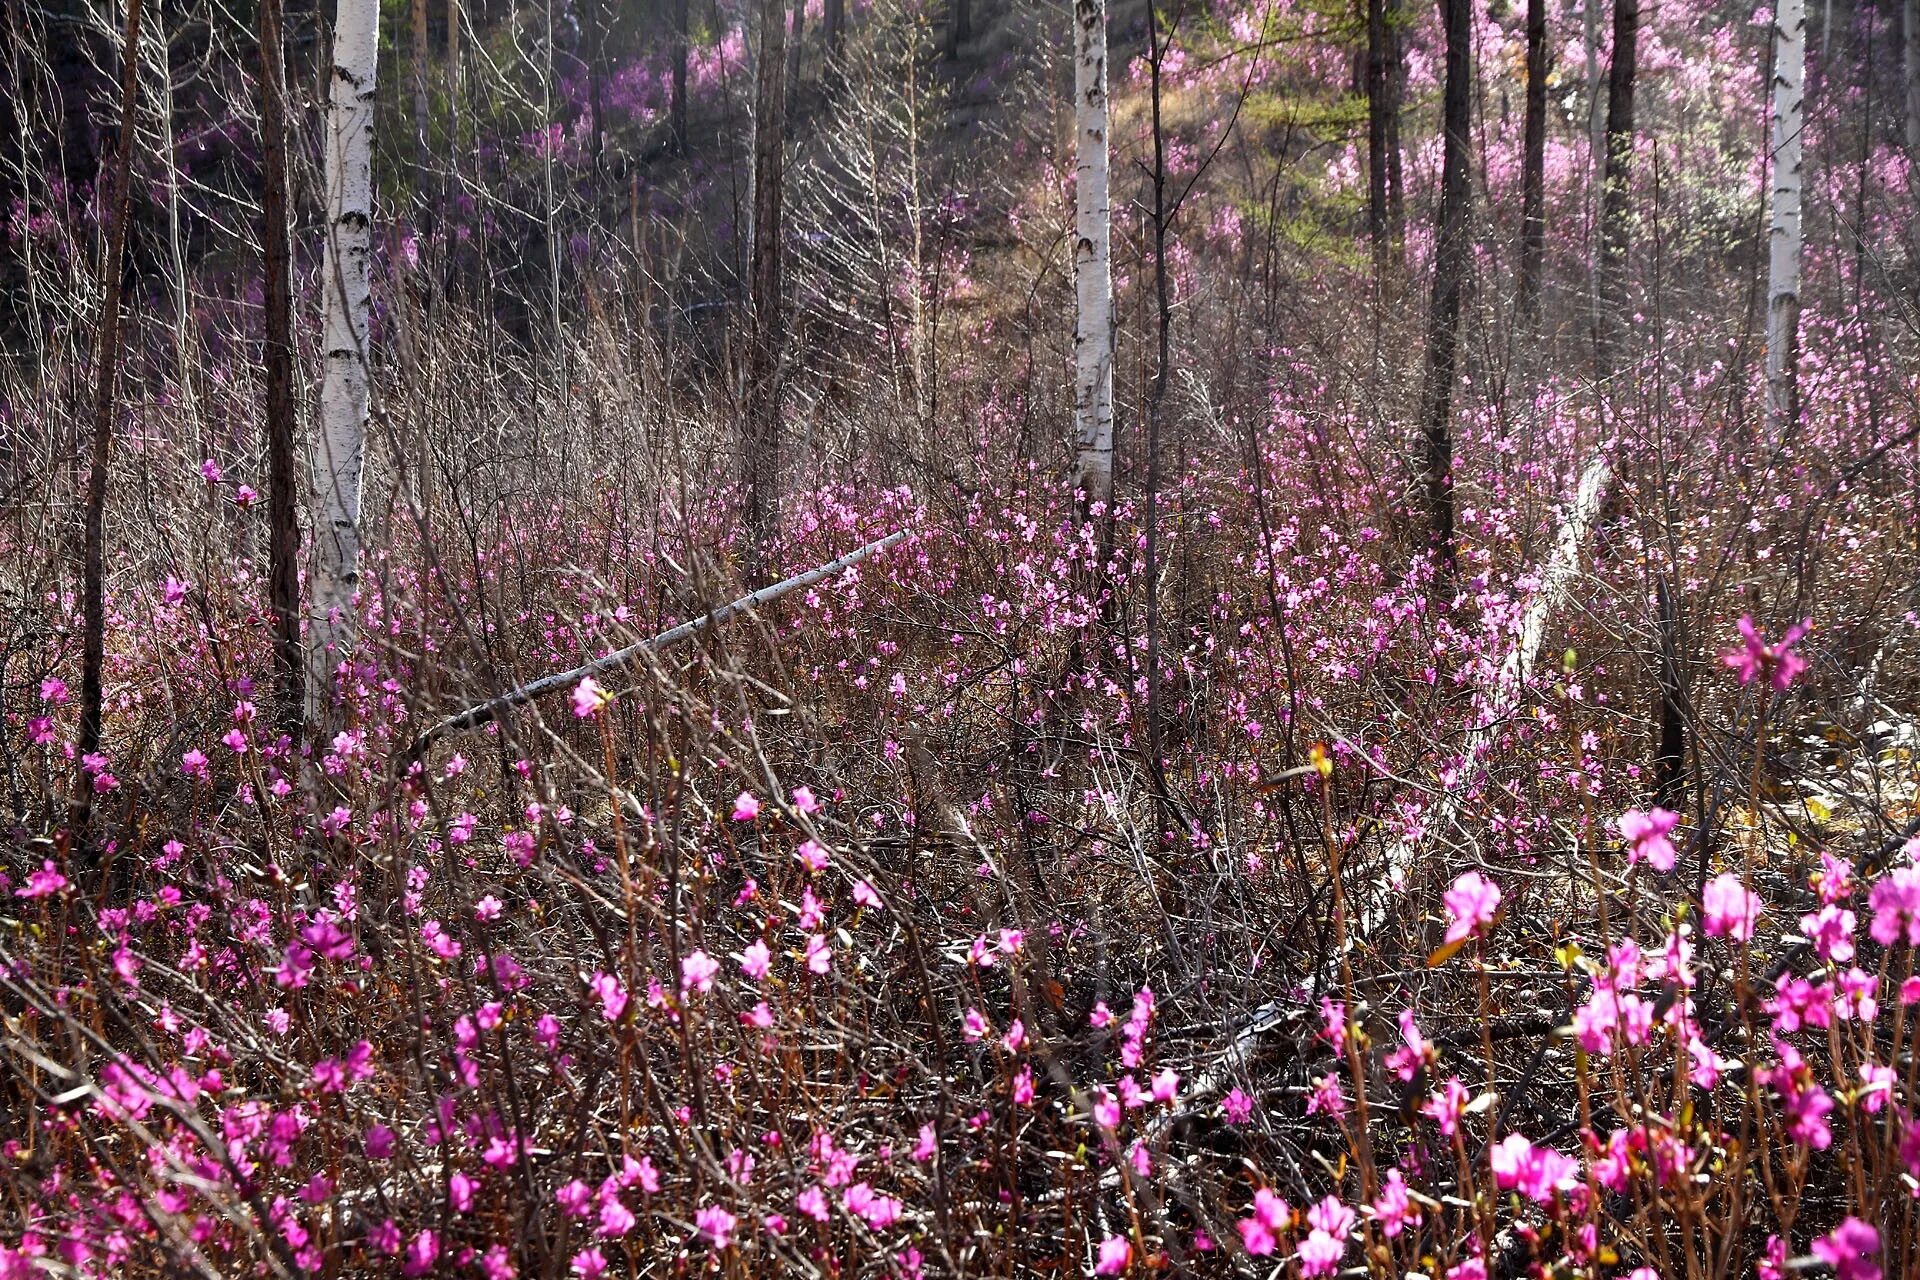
(422, 1253)
(1394, 1209)
(574, 1199)
(1116, 1254)
(1445, 1107)
(1536, 1172)
(746, 807)
(1757, 657)
(1895, 902)
(756, 960)
(697, 970)
(1729, 909)
(1852, 1249)
(589, 697)
(1261, 1232)
(43, 883)
(1646, 836)
(716, 1224)
(612, 996)
(1471, 905)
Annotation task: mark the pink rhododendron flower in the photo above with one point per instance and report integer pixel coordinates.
(1728, 909)
(756, 960)
(1116, 1254)
(716, 1224)
(697, 970)
(1261, 1232)
(1756, 657)
(1852, 1249)
(1471, 904)
(1646, 836)
(1536, 1172)
(746, 807)
(589, 697)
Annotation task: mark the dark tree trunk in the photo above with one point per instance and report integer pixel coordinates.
(596, 54)
(762, 451)
(1379, 86)
(677, 95)
(115, 207)
(959, 27)
(1533, 203)
(1615, 193)
(1449, 282)
(1670, 754)
(796, 41)
(283, 520)
(835, 21)
(1156, 405)
(453, 90)
(1396, 94)
(420, 59)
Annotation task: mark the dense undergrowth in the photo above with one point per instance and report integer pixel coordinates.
(865, 934)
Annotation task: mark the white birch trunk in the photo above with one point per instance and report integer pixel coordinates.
(344, 385)
(1092, 258)
(1784, 236)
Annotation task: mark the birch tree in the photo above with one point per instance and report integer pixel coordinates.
(344, 385)
(1784, 235)
(1092, 259)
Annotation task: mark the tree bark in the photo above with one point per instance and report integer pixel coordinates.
(1784, 235)
(1449, 281)
(117, 206)
(453, 90)
(1913, 123)
(677, 93)
(835, 21)
(1092, 261)
(417, 73)
(1156, 404)
(1379, 90)
(959, 27)
(796, 41)
(1533, 202)
(1616, 186)
(1670, 752)
(1396, 94)
(762, 444)
(344, 391)
(596, 59)
(276, 251)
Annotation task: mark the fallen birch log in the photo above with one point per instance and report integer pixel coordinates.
(483, 713)
(1500, 702)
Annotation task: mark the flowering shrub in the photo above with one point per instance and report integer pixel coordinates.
(868, 934)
